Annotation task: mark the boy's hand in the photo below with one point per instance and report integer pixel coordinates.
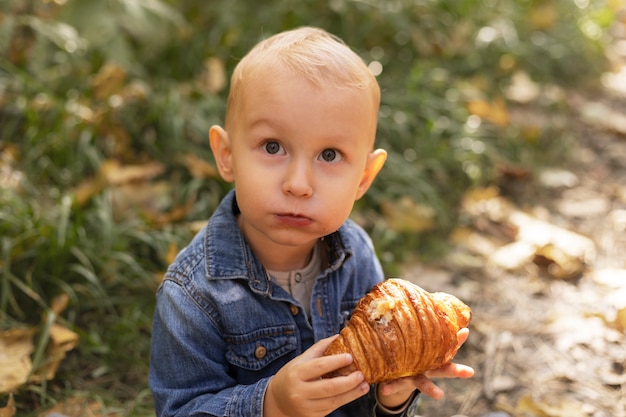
(394, 393)
(299, 390)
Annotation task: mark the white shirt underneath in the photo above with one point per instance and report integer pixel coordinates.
(299, 282)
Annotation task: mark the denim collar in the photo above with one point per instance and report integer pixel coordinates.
(229, 256)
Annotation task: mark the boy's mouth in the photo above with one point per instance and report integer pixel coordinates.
(293, 219)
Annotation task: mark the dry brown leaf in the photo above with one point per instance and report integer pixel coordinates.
(486, 202)
(148, 198)
(562, 252)
(172, 251)
(158, 218)
(544, 15)
(495, 112)
(199, 167)
(557, 263)
(113, 173)
(564, 408)
(108, 81)
(213, 77)
(540, 234)
(116, 174)
(473, 241)
(84, 192)
(406, 215)
(62, 340)
(79, 407)
(8, 410)
(59, 303)
(16, 346)
(620, 320)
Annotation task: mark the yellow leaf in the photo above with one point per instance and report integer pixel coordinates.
(172, 251)
(544, 16)
(495, 112)
(59, 303)
(558, 263)
(620, 320)
(116, 174)
(62, 340)
(16, 346)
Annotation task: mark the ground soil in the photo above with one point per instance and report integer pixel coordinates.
(545, 344)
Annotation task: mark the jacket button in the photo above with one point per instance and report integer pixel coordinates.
(260, 352)
(294, 309)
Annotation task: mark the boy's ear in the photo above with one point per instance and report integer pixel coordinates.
(375, 162)
(221, 147)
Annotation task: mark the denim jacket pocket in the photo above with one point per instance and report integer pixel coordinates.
(258, 349)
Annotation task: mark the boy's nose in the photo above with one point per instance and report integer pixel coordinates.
(298, 180)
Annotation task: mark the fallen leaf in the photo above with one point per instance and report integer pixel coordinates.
(557, 263)
(59, 303)
(604, 117)
(172, 252)
(486, 202)
(544, 15)
(148, 198)
(84, 192)
(620, 320)
(496, 111)
(213, 77)
(62, 340)
(513, 172)
(78, 407)
(116, 174)
(564, 408)
(473, 241)
(540, 234)
(522, 89)
(406, 215)
(108, 80)
(16, 346)
(512, 256)
(8, 410)
(200, 167)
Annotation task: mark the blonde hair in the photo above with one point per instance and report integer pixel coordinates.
(322, 58)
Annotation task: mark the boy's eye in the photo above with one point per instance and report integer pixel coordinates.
(329, 155)
(272, 147)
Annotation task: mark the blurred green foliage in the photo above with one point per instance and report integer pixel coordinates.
(85, 82)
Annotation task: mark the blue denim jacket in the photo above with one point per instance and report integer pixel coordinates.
(222, 328)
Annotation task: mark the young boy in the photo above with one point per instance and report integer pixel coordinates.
(246, 311)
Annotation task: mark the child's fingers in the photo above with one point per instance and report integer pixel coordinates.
(319, 347)
(451, 370)
(341, 389)
(316, 368)
(462, 335)
(313, 365)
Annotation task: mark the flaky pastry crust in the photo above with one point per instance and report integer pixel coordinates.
(399, 329)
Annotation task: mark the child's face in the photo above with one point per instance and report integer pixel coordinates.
(300, 155)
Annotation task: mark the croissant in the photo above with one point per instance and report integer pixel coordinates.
(398, 329)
